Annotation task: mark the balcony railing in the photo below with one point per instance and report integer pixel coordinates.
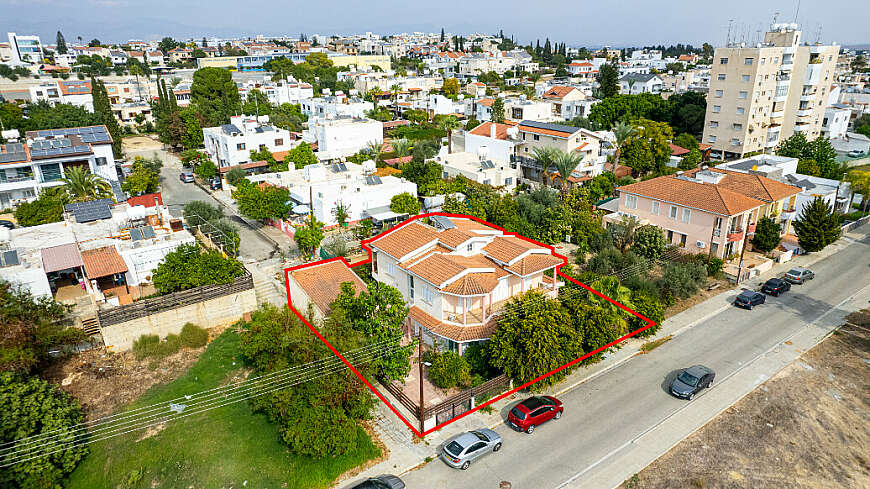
(751, 228)
(735, 235)
(17, 179)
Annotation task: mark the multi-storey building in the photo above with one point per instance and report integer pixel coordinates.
(25, 49)
(763, 94)
(343, 136)
(231, 144)
(39, 162)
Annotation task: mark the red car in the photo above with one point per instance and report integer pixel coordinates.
(534, 411)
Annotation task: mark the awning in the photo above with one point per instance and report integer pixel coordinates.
(301, 209)
(61, 257)
(103, 262)
(385, 216)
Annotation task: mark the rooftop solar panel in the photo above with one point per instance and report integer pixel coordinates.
(90, 211)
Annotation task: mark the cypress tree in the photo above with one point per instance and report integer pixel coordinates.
(103, 109)
(61, 44)
(817, 226)
(442, 34)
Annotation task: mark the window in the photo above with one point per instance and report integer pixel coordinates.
(279, 142)
(631, 201)
(509, 181)
(426, 293)
(487, 182)
(470, 247)
(745, 78)
(714, 124)
(735, 142)
(687, 215)
(411, 286)
(737, 127)
(719, 93)
(537, 138)
(747, 61)
(740, 110)
(712, 139)
(391, 269)
(240, 146)
(743, 94)
(762, 60)
(721, 76)
(723, 61)
(101, 161)
(673, 212)
(655, 208)
(717, 109)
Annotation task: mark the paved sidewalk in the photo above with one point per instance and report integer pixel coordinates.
(407, 454)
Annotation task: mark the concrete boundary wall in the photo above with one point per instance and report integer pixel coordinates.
(206, 314)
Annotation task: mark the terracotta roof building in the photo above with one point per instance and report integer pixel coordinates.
(456, 274)
(318, 285)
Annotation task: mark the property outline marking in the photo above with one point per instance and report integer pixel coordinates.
(365, 245)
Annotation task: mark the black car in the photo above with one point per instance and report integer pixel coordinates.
(749, 298)
(775, 286)
(215, 183)
(381, 482)
(7, 224)
(692, 380)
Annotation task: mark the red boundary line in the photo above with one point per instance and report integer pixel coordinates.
(365, 245)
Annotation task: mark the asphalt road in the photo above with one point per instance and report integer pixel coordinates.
(252, 246)
(603, 414)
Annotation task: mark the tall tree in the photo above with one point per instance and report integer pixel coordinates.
(498, 111)
(61, 44)
(82, 185)
(608, 80)
(767, 234)
(817, 226)
(565, 163)
(442, 34)
(103, 110)
(215, 95)
(621, 132)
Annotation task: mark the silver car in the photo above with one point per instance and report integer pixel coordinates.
(459, 451)
(799, 275)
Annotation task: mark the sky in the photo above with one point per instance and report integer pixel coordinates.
(595, 23)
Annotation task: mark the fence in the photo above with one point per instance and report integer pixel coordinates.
(402, 397)
(855, 224)
(460, 401)
(147, 307)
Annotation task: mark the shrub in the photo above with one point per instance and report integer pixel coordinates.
(146, 346)
(601, 241)
(478, 360)
(197, 212)
(605, 262)
(192, 336)
(681, 280)
(649, 306)
(642, 284)
(715, 266)
(649, 242)
(169, 346)
(449, 370)
(235, 176)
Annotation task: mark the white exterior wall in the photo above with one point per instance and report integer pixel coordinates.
(497, 149)
(358, 196)
(836, 122)
(330, 109)
(343, 137)
(141, 262)
(229, 150)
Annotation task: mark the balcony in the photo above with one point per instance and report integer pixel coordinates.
(787, 66)
(777, 114)
(751, 228)
(805, 112)
(17, 182)
(788, 214)
(808, 97)
(735, 235)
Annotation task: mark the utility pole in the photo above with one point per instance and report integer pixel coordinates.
(420, 363)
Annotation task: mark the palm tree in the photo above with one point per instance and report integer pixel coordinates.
(449, 124)
(402, 147)
(622, 131)
(566, 163)
(82, 185)
(136, 70)
(394, 91)
(545, 158)
(373, 149)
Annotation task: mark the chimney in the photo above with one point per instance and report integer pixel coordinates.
(492, 130)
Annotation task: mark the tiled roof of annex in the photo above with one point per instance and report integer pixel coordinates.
(439, 259)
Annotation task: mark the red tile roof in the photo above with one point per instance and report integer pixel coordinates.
(322, 282)
(61, 257)
(558, 92)
(751, 185)
(148, 200)
(486, 128)
(452, 331)
(678, 150)
(705, 196)
(102, 262)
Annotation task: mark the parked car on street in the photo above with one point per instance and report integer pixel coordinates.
(460, 450)
(7, 224)
(855, 153)
(775, 286)
(749, 298)
(534, 411)
(215, 183)
(186, 177)
(691, 381)
(381, 482)
(798, 275)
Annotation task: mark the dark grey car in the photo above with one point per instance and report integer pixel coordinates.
(691, 381)
(381, 482)
(460, 450)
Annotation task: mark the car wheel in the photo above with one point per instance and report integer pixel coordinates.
(558, 415)
(691, 396)
(709, 384)
(497, 447)
(530, 429)
(465, 465)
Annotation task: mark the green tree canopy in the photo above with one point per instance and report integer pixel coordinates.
(189, 266)
(767, 232)
(261, 202)
(301, 156)
(215, 95)
(608, 80)
(405, 203)
(45, 209)
(309, 235)
(81, 185)
(649, 242)
(498, 111)
(817, 226)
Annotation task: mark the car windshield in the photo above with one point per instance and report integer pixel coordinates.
(745, 296)
(453, 448)
(519, 414)
(688, 379)
(480, 436)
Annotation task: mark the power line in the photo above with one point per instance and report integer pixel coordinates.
(333, 365)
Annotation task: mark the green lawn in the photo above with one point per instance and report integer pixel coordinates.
(218, 449)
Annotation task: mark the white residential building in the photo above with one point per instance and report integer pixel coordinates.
(495, 140)
(75, 92)
(636, 83)
(836, 121)
(342, 137)
(231, 144)
(42, 159)
(332, 107)
(25, 49)
(479, 167)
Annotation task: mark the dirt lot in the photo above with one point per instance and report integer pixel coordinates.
(140, 143)
(103, 382)
(807, 427)
(702, 295)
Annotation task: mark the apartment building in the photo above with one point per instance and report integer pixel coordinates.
(335, 106)
(231, 144)
(457, 275)
(707, 210)
(75, 92)
(479, 167)
(761, 95)
(41, 160)
(343, 136)
(25, 49)
(532, 134)
(496, 140)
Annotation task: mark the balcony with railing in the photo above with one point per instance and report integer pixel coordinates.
(788, 214)
(16, 182)
(735, 235)
(751, 228)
